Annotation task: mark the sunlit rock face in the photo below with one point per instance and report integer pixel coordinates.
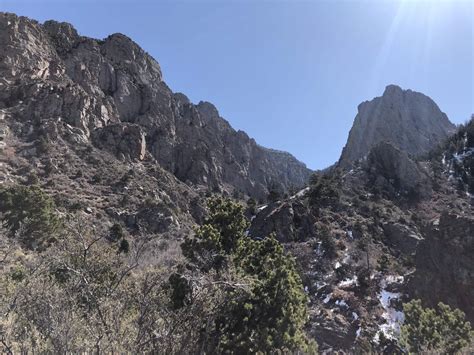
(409, 120)
(51, 76)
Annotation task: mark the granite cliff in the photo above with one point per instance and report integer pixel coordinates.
(111, 93)
(409, 120)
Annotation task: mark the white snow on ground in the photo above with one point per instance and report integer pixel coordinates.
(337, 265)
(460, 157)
(342, 303)
(319, 251)
(300, 193)
(327, 299)
(390, 279)
(349, 234)
(261, 208)
(358, 332)
(320, 285)
(346, 259)
(355, 315)
(348, 282)
(393, 318)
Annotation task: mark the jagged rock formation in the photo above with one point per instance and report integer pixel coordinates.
(409, 120)
(112, 91)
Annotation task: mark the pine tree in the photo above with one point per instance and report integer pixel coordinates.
(29, 214)
(441, 330)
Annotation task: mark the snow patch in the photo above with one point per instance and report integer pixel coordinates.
(261, 208)
(327, 299)
(320, 285)
(342, 304)
(300, 193)
(393, 318)
(349, 282)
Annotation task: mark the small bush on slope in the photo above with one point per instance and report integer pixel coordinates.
(29, 214)
(441, 330)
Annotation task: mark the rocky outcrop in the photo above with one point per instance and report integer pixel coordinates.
(124, 140)
(113, 91)
(401, 238)
(289, 220)
(444, 267)
(409, 120)
(392, 171)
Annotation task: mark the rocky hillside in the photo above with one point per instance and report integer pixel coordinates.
(111, 93)
(119, 168)
(409, 120)
(369, 239)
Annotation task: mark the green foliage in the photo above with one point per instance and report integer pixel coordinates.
(29, 215)
(252, 206)
(124, 246)
(470, 134)
(442, 330)
(218, 236)
(324, 190)
(180, 290)
(363, 278)
(383, 263)
(116, 232)
(327, 242)
(273, 313)
(274, 193)
(268, 309)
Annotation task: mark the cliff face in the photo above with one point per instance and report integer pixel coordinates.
(110, 92)
(409, 120)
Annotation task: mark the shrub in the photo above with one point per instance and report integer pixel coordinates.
(29, 215)
(324, 190)
(252, 206)
(441, 330)
(267, 310)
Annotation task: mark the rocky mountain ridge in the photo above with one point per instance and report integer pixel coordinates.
(111, 93)
(95, 127)
(409, 120)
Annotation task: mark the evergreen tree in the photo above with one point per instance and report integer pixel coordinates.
(269, 311)
(441, 330)
(29, 214)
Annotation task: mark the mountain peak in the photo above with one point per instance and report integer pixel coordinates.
(409, 120)
(392, 89)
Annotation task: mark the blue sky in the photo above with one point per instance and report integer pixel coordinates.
(291, 73)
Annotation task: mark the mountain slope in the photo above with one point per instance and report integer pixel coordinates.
(367, 240)
(111, 93)
(408, 120)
